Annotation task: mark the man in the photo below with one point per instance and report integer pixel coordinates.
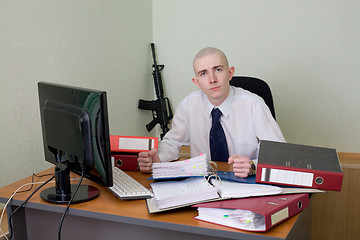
(245, 119)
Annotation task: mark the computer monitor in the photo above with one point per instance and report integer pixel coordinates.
(75, 132)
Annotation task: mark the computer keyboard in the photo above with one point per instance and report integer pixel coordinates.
(126, 187)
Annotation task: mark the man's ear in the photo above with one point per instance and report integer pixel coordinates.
(195, 81)
(231, 72)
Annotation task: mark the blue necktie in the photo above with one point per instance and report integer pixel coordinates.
(218, 146)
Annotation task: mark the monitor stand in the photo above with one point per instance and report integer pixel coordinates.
(63, 190)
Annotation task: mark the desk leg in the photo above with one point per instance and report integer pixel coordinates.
(18, 222)
(302, 227)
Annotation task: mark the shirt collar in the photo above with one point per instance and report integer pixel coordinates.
(225, 107)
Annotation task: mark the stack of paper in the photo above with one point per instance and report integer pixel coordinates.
(237, 218)
(197, 166)
(253, 214)
(176, 193)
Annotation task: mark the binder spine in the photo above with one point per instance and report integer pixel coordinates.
(299, 177)
(132, 144)
(293, 208)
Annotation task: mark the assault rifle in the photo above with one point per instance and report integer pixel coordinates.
(161, 109)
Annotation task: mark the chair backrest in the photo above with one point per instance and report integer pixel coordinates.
(257, 86)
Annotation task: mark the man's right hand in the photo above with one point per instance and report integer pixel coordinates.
(146, 160)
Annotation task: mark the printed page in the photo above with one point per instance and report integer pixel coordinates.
(174, 193)
(168, 189)
(231, 189)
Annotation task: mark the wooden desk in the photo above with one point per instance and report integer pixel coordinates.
(339, 210)
(107, 217)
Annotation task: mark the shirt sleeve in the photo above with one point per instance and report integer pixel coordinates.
(169, 147)
(266, 127)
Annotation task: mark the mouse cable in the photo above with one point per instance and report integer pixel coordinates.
(12, 214)
(32, 180)
(16, 192)
(70, 201)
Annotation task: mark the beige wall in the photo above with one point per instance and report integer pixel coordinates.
(308, 51)
(95, 44)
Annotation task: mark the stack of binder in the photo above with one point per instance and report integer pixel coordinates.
(299, 165)
(124, 150)
(256, 203)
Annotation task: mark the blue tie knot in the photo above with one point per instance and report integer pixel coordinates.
(216, 114)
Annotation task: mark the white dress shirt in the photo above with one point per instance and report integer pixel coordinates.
(246, 119)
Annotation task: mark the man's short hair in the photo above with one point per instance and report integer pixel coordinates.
(208, 51)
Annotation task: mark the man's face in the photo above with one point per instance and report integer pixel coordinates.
(212, 76)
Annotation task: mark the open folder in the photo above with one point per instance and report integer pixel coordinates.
(253, 214)
(170, 195)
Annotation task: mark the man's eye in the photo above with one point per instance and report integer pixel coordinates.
(218, 69)
(202, 74)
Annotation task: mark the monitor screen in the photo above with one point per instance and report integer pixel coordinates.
(75, 133)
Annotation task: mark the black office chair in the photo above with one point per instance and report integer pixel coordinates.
(257, 86)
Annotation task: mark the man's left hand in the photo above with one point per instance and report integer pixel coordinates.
(241, 165)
